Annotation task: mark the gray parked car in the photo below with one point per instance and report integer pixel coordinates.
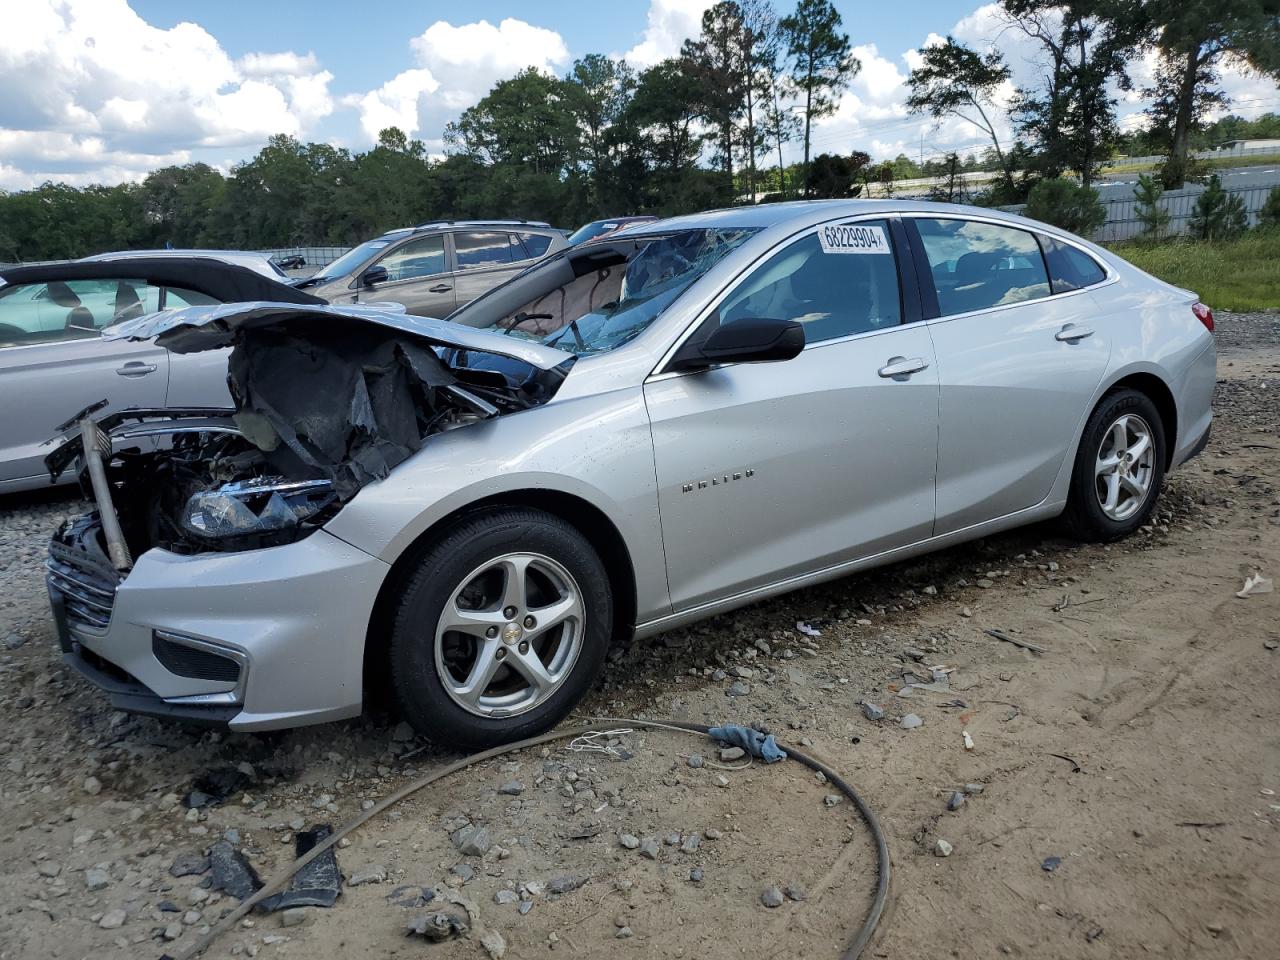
(434, 268)
(652, 429)
(53, 360)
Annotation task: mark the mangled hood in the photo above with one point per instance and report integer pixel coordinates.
(192, 329)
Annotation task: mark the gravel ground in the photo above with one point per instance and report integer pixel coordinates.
(1139, 750)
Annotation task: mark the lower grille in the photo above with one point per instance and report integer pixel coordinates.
(88, 599)
(194, 662)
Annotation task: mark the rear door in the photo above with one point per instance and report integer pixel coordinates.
(486, 258)
(768, 471)
(195, 379)
(53, 363)
(417, 277)
(1017, 362)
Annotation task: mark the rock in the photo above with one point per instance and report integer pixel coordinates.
(370, 873)
(173, 931)
(649, 848)
(831, 799)
(492, 941)
(13, 641)
(525, 907)
(696, 875)
(567, 883)
(293, 917)
(973, 789)
(113, 919)
(796, 892)
(1271, 644)
(464, 871)
(472, 841)
(437, 927)
(771, 897)
(506, 897)
(232, 873)
(739, 688)
(966, 612)
(691, 843)
(872, 711)
(92, 786)
(403, 733)
(910, 722)
(50, 869)
(188, 865)
(913, 653)
(1051, 864)
(930, 591)
(96, 878)
(696, 761)
(956, 801)
(628, 842)
(711, 833)
(985, 584)
(742, 673)
(535, 888)
(512, 789)
(943, 849)
(623, 933)
(729, 754)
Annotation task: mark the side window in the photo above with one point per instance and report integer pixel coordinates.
(535, 244)
(482, 249)
(69, 309)
(1070, 268)
(835, 283)
(977, 266)
(417, 258)
(175, 297)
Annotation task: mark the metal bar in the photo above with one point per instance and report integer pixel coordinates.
(91, 441)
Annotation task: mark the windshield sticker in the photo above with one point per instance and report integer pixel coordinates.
(853, 239)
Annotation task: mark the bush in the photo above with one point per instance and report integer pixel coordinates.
(1066, 204)
(1218, 215)
(1269, 215)
(1153, 217)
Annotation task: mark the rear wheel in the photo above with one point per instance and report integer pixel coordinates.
(1119, 468)
(501, 629)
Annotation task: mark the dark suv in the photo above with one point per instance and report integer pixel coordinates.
(435, 267)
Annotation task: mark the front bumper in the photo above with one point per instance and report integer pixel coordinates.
(257, 640)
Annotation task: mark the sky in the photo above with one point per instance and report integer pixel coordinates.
(103, 91)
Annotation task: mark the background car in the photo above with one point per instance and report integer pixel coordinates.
(434, 268)
(691, 416)
(257, 262)
(602, 228)
(54, 362)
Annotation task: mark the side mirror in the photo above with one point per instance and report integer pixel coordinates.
(374, 274)
(743, 341)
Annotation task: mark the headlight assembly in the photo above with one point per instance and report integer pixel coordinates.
(272, 506)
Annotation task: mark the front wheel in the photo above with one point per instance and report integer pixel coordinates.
(1119, 468)
(500, 630)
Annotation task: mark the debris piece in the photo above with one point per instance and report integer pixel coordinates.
(729, 754)
(318, 884)
(1024, 644)
(739, 688)
(113, 919)
(215, 787)
(232, 873)
(472, 841)
(293, 917)
(872, 711)
(943, 849)
(628, 841)
(910, 722)
(753, 741)
(493, 942)
(1075, 765)
(624, 933)
(649, 848)
(370, 873)
(512, 789)
(913, 653)
(771, 897)
(968, 740)
(411, 897)
(506, 897)
(956, 801)
(567, 883)
(1255, 584)
(807, 630)
(1051, 864)
(831, 799)
(695, 760)
(437, 927)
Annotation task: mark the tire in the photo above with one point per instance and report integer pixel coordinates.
(1088, 516)
(468, 579)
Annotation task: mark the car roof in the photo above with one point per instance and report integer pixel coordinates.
(226, 282)
(447, 224)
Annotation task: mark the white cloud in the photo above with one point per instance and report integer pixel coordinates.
(669, 24)
(457, 65)
(127, 96)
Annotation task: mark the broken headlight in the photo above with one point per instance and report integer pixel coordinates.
(272, 506)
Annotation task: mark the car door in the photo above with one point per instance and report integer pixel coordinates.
(770, 471)
(1017, 366)
(417, 276)
(195, 379)
(484, 259)
(53, 364)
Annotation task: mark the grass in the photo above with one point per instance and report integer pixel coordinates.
(1214, 163)
(1241, 275)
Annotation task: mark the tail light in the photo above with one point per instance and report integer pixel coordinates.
(1203, 314)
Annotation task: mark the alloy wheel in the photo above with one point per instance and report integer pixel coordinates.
(1125, 467)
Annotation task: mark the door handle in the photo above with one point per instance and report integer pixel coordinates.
(136, 368)
(1071, 333)
(900, 368)
(440, 288)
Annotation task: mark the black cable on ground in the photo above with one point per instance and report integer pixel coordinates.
(278, 880)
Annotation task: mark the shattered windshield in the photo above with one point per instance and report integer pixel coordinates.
(610, 307)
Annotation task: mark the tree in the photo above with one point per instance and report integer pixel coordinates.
(955, 81)
(1193, 38)
(822, 63)
(758, 53)
(600, 90)
(1066, 204)
(526, 120)
(1218, 215)
(180, 205)
(1153, 217)
(715, 61)
(1269, 215)
(831, 175)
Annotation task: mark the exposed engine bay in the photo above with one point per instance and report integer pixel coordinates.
(325, 403)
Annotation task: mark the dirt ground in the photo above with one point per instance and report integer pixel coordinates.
(1140, 748)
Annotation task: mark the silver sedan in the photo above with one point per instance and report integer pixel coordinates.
(642, 432)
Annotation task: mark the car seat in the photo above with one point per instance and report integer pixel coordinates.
(79, 316)
(128, 305)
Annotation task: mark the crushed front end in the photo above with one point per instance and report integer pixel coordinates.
(205, 587)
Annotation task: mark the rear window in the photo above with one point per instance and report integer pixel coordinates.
(536, 243)
(1070, 268)
(977, 266)
(476, 250)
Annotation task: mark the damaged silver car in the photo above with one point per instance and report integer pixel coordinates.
(629, 436)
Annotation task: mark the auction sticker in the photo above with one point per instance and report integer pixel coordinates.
(853, 238)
